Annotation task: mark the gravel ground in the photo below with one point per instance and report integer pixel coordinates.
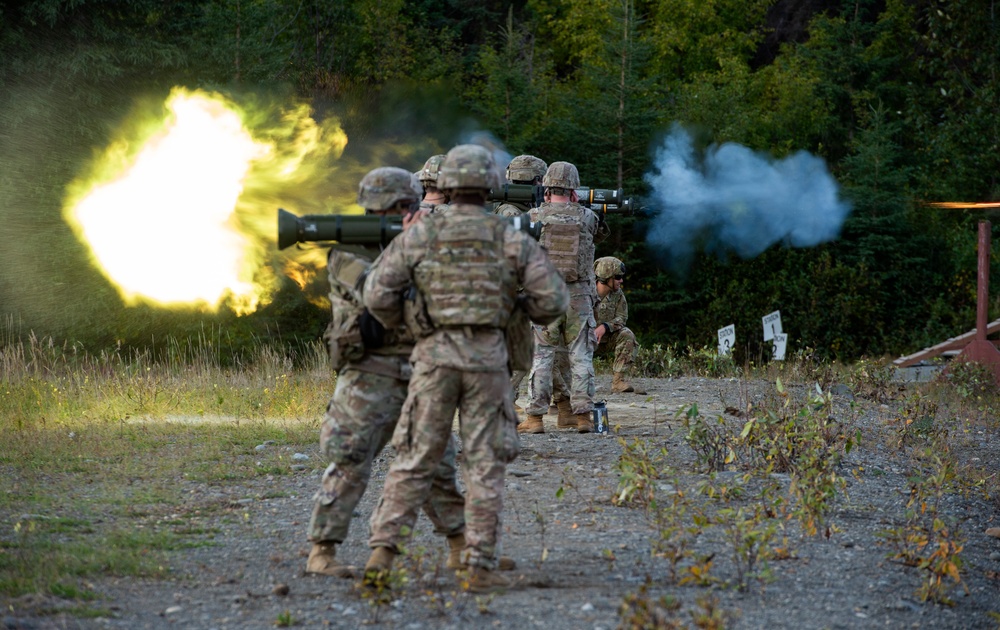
(578, 554)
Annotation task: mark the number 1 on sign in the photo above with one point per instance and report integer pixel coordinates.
(772, 325)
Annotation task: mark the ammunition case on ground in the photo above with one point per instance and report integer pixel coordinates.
(356, 229)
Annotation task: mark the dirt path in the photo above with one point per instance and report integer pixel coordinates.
(559, 508)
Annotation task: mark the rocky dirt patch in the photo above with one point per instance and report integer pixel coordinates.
(579, 554)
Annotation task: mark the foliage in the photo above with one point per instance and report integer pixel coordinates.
(749, 532)
(805, 441)
(929, 539)
(889, 93)
(708, 440)
(873, 380)
(638, 469)
(798, 438)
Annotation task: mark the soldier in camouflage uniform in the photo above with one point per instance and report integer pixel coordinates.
(435, 200)
(529, 170)
(569, 232)
(467, 265)
(526, 170)
(373, 370)
(613, 337)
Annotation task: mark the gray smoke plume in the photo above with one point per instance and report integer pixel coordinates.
(732, 199)
(483, 138)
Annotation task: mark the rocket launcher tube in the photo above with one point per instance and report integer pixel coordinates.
(356, 229)
(600, 200)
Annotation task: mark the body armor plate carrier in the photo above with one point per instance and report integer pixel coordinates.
(465, 280)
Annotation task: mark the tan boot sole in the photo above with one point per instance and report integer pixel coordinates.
(504, 563)
(490, 583)
(345, 571)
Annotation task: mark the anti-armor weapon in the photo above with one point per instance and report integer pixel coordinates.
(356, 229)
(600, 200)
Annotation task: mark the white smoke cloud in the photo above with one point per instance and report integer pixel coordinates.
(732, 199)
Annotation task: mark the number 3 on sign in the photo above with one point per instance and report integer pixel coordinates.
(727, 339)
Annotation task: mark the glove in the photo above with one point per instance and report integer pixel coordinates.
(372, 331)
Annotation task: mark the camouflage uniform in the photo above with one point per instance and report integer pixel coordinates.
(428, 176)
(613, 311)
(528, 169)
(458, 366)
(575, 329)
(363, 412)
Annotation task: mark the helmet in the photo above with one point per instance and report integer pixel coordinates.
(608, 267)
(428, 175)
(468, 166)
(561, 175)
(525, 168)
(382, 187)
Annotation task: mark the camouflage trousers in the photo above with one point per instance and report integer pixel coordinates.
(360, 419)
(622, 344)
(573, 333)
(487, 426)
(560, 378)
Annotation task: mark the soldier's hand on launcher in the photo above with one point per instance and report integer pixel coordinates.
(412, 217)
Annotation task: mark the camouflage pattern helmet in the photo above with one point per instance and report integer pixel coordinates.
(608, 267)
(525, 168)
(561, 175)
(382, 187)
(468, 166)
(428, 175)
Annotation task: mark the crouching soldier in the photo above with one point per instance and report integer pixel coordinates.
(613, 337)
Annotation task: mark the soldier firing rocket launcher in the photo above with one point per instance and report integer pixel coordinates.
(356, 229)
(369, 230)
(603, 201)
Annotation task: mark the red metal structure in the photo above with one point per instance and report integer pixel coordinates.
(974, 345)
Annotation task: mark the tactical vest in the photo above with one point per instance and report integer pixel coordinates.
(343, 333)
(465, 280)
(562, 237)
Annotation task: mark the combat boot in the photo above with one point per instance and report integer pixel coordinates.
(531, 424)
(322, 560)
(585, 423)
(567, 419)
(619, 385)
(378, 566)
(485, 581)
(456, 545)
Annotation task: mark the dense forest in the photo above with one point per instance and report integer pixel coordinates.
(899, 99)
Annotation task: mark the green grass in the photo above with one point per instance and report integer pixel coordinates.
(40, 560)
(97, 450)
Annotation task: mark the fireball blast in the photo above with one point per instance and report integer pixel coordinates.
(355, 229)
